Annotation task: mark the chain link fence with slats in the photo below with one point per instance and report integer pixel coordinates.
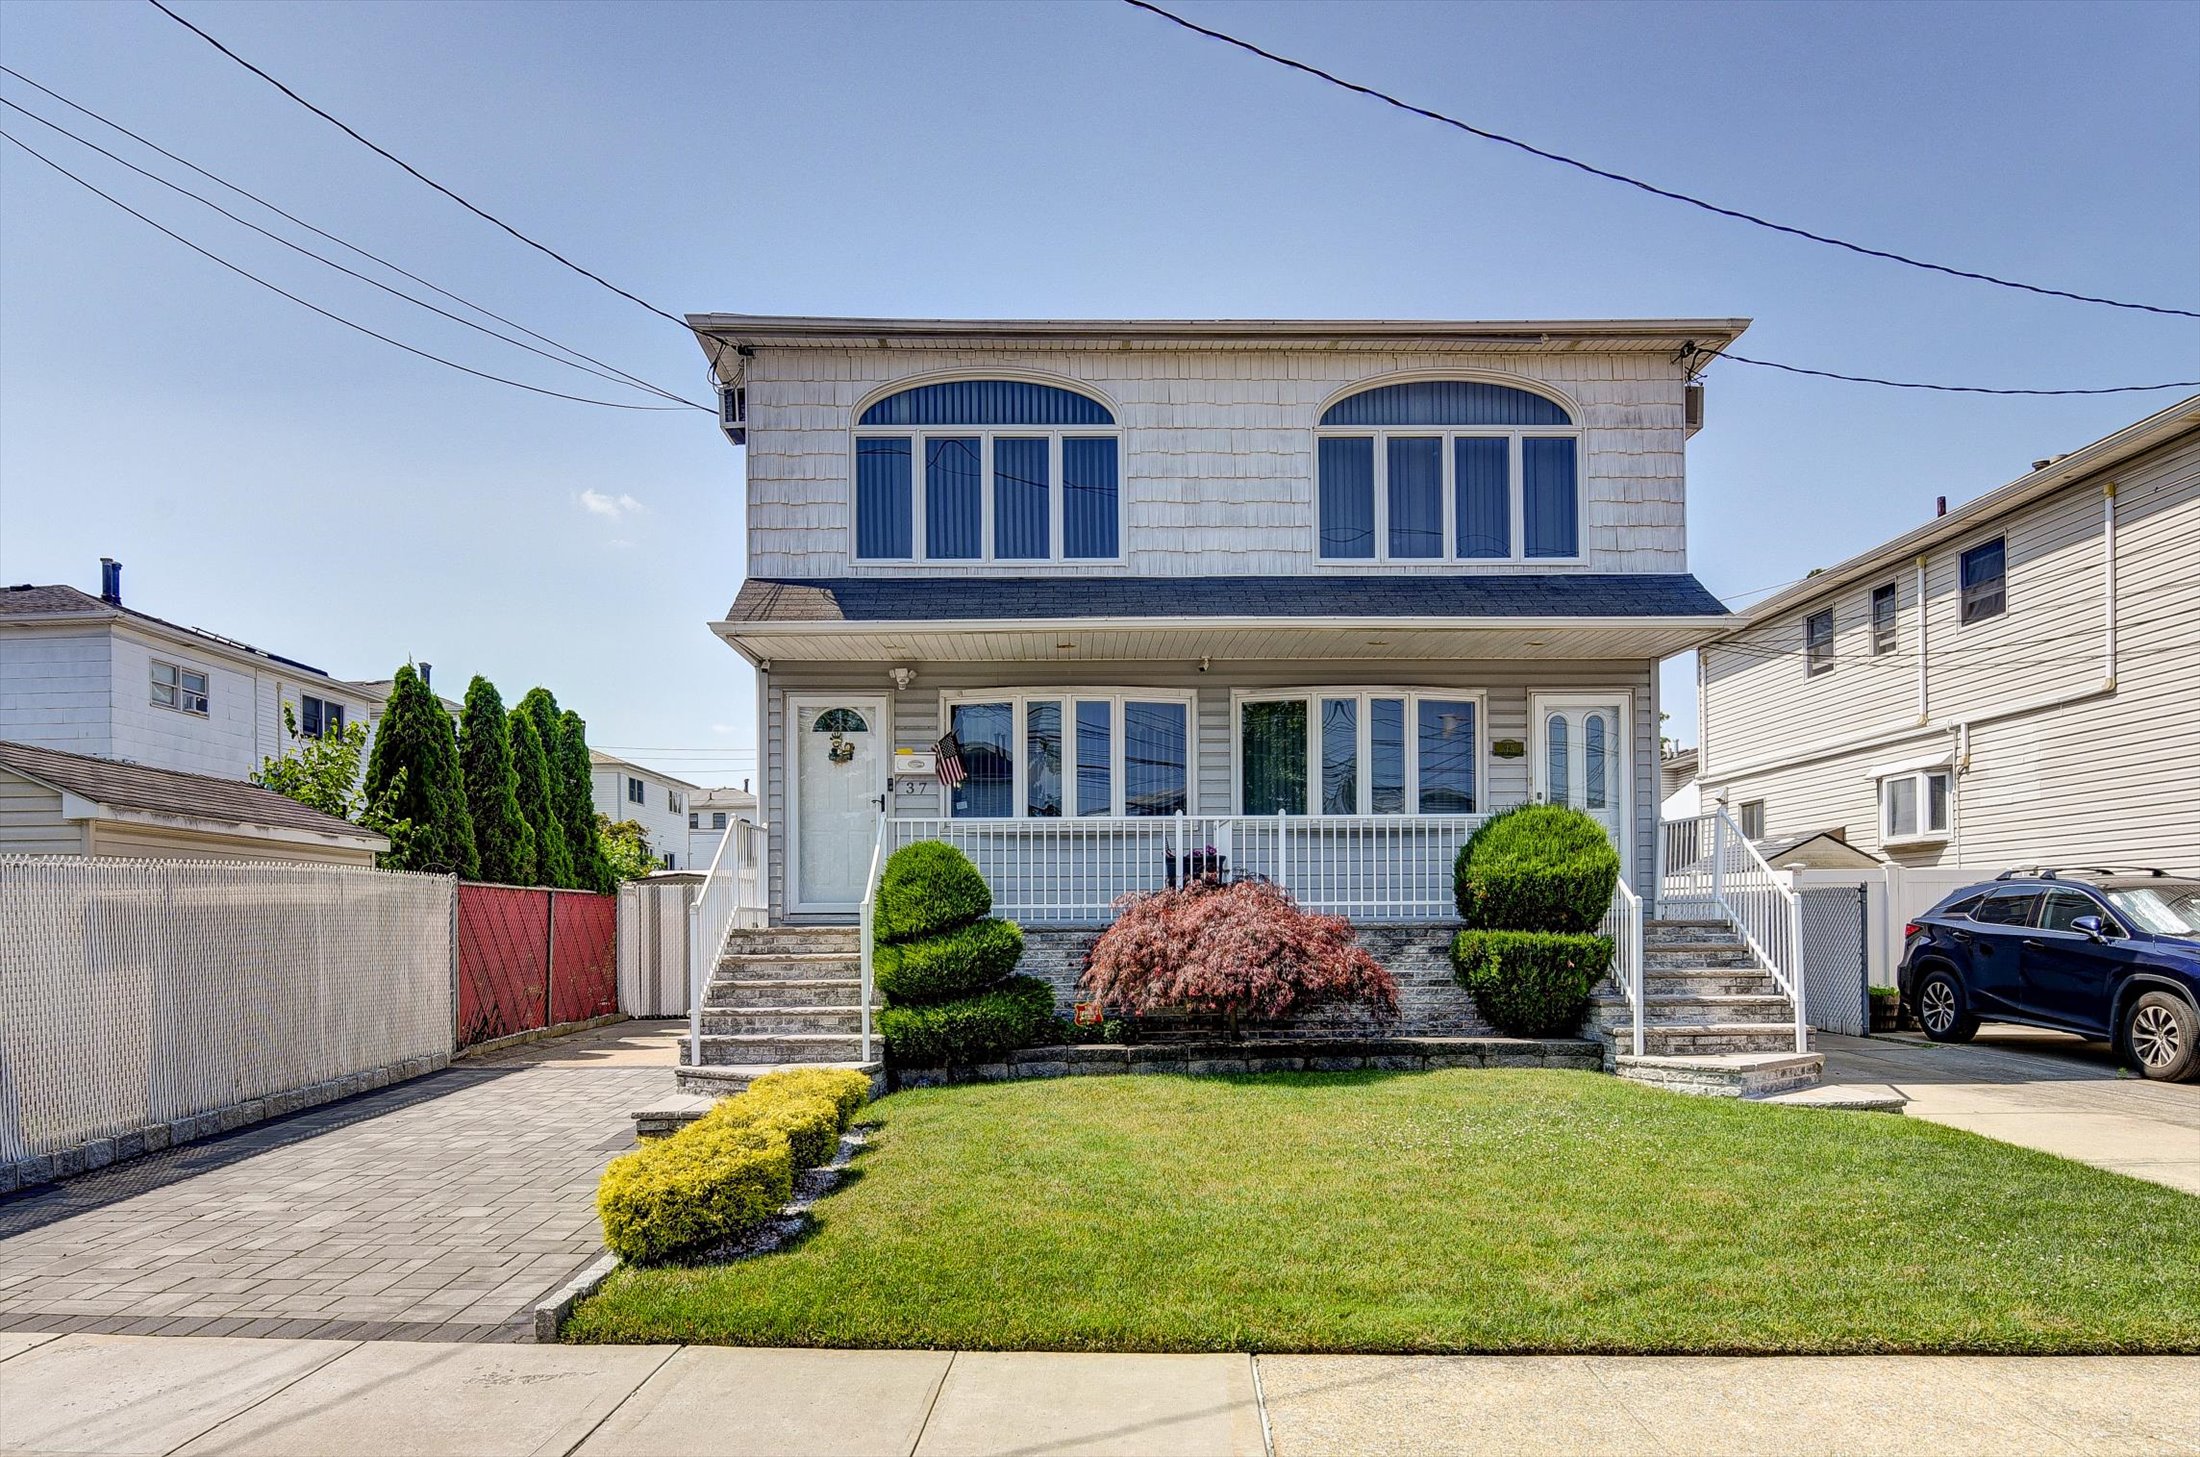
(135, 993)
(1834, 957)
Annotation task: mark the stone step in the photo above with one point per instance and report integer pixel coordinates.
(1725, 1075)
(724, 1080)
(778, 1020)
(1682, 955)
(1702, 1038)
(732, 991)
(788, 966)
(749, 1049)
(782, 940)
(1714, 981)
(1696, 1011)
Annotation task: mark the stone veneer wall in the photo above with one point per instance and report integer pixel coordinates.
(1430, 1002)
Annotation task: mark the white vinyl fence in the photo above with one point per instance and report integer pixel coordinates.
(653, 944)
(135, 993)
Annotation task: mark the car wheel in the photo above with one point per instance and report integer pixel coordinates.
(1942, 1009)
(2162, 1037)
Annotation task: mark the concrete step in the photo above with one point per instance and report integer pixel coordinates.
(751, 1049)
(775, 1021)
(1686, 955)
(788, 966)
(730, 991)
(1725, 1075)
(1707, 1037)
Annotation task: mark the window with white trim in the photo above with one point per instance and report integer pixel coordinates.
(987, 471)
(1884, 620)
(1818, 643)
(1436, 470)
(1916, 806)
(1753, 819)
(1072, 753)
(1984, 580)
(318, 716)
(1357, 751)
(635, 792)
(180, 688)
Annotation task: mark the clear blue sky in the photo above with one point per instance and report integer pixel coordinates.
(269, 475)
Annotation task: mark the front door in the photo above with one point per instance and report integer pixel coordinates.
(837, 773)
(1579, 758)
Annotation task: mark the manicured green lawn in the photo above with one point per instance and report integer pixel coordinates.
(1449, 1211)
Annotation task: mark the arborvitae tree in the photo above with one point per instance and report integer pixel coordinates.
(412, 775)
(501, 836)
(558, 867)
(577, 798)
(552, 862)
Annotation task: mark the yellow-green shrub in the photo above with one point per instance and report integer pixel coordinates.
(845, 1088)
(809, 1124)
(683, 1194)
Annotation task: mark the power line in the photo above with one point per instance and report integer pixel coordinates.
(383, 152)
(340, 268)
(1711, 207)
(1953, 389)
(343, 243)
(316, 308)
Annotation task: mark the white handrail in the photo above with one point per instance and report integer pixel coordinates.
(865, 916)
(1768, 914)
(714, 912)
(1624, 924)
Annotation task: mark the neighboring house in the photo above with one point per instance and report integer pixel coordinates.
(56, 803)
(88, 675)
(1316, 597)
(2041, 708)
(656, 801)
(709, 812)
(1677, 796)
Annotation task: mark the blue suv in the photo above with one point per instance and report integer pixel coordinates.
(2102, 953)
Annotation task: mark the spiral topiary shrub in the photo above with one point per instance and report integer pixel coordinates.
(1539, 867)
(1533, 885)
(943, 968)
(925, 889)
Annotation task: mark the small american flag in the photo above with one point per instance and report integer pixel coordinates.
(948, 761)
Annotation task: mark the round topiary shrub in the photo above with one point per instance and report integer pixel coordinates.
(951, 964)
(1540, 867)
(926, 888)
(1531, 983)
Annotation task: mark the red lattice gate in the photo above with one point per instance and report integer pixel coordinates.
(532, 958)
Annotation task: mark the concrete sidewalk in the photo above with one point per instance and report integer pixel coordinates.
(140, 1397)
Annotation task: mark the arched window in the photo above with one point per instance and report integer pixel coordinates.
(1445, 468)
(1010, 471)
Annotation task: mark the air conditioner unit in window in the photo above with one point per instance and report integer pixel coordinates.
(1692, 410)
(733, 412)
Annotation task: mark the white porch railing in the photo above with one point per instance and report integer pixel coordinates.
(733, 894)
(1707, 865)
(866, 930)
(1072, 871)
(1623, 923)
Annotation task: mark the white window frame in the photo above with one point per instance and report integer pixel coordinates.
(1743, 816)
(1813, 665)
(182, 697)
(1925, 833)
(1057, 496)
(1963, 619)
(1312, 698)
(637, 792)
(1019, 700)
(1516, 493)
(1893, 641)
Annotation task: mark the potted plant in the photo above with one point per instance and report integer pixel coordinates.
(1204, 864)
(1886, 1004)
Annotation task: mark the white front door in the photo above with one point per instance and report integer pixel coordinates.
(837, 772)
(1579, 758)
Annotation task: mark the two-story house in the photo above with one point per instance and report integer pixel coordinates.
(88, 675)
(654, 800)
(1312, 597)
(2016, 682)
(710, 812)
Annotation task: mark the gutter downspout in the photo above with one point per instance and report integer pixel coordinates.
(2108, 584)
(1924, 700)
(763, 783)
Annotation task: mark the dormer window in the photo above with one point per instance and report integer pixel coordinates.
(1459, 470)
(987, 471)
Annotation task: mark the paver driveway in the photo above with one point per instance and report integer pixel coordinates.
(440, 1209)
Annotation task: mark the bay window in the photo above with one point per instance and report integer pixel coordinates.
(1436, 469)
(1358, 752)
(1071, 753)
(1010, 471)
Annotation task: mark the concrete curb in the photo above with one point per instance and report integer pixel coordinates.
(551, 1311)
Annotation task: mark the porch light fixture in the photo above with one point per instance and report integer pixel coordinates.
(902, 677)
